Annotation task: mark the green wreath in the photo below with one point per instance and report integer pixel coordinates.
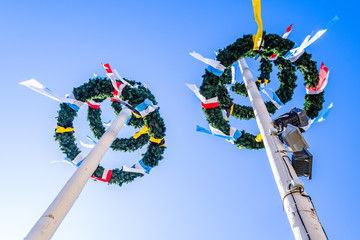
(214, 86)
(98, 89)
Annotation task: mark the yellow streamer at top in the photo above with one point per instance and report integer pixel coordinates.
(144, 130)
(60, 129)
(257, 13)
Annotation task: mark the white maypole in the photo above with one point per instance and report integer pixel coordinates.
(53, 216)
(298, 206)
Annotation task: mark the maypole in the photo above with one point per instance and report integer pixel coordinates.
(298, 206)
(134, 105)
(46, 226)
(214, 93)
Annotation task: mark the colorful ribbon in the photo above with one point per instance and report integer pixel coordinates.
(257, 13)
(143, 130)
(157, 141)
(206, 103)
(60, 129)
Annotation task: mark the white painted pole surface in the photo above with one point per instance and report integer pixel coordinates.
(299, 209)
(48, 223)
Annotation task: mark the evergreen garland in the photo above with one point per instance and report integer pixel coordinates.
(98, 89)
(213, 86)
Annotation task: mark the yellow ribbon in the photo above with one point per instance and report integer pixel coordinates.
(60, 129)
(157, 141)
(258, 138)
(136, 115)
(144, 130)
(257, 13)
(266, 81)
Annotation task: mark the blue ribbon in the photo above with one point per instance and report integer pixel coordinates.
(146, 167)
(215, 71)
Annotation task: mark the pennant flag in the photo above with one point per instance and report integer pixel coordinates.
(323, 80)
(143, 130)
(324, 114)
(134, 169)
(38, 87)
(95, 75)
(75, 163)
(105, 177)
(321, 117)
(76, 104)
(274, 98)
(107, 124)
(86, 145)
(257, 13)
(206, 103)
(288, 31)
(93, 104)
(118, 92)
(234, 133)
(145, 108)
(258, 58)
(296, 52)
(214, 67)
(110, 75)
(122, 80)
(273, 57)
(160, 142)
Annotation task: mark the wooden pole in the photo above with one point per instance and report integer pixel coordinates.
(299, 208)
(46, 226)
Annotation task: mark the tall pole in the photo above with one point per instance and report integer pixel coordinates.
(298, 206)
(46, 226)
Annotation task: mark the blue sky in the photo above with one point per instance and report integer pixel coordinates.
(205, 188)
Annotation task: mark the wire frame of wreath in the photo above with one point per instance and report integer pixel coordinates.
(213, 85)
(98, 89)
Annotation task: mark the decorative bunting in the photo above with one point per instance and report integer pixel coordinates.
(87, 145)
(323, 80)
(75, 163)
(257, 39)
(206, 103)
(296, 52)
(274, 98)
(273, 57)
(134, 169)
(143, 130)
(122, 80)
(38, 87)
(105, 177)
(110, 75)
(287, 33)
(322, 116)
(234, 133)
(214, 67)
(93, 104)
(145, 108)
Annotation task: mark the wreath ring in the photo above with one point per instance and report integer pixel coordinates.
(153, 127)
(214, 86)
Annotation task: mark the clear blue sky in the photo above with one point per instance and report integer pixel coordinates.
(205, 188)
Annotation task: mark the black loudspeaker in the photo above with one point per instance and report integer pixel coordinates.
(302, 163)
